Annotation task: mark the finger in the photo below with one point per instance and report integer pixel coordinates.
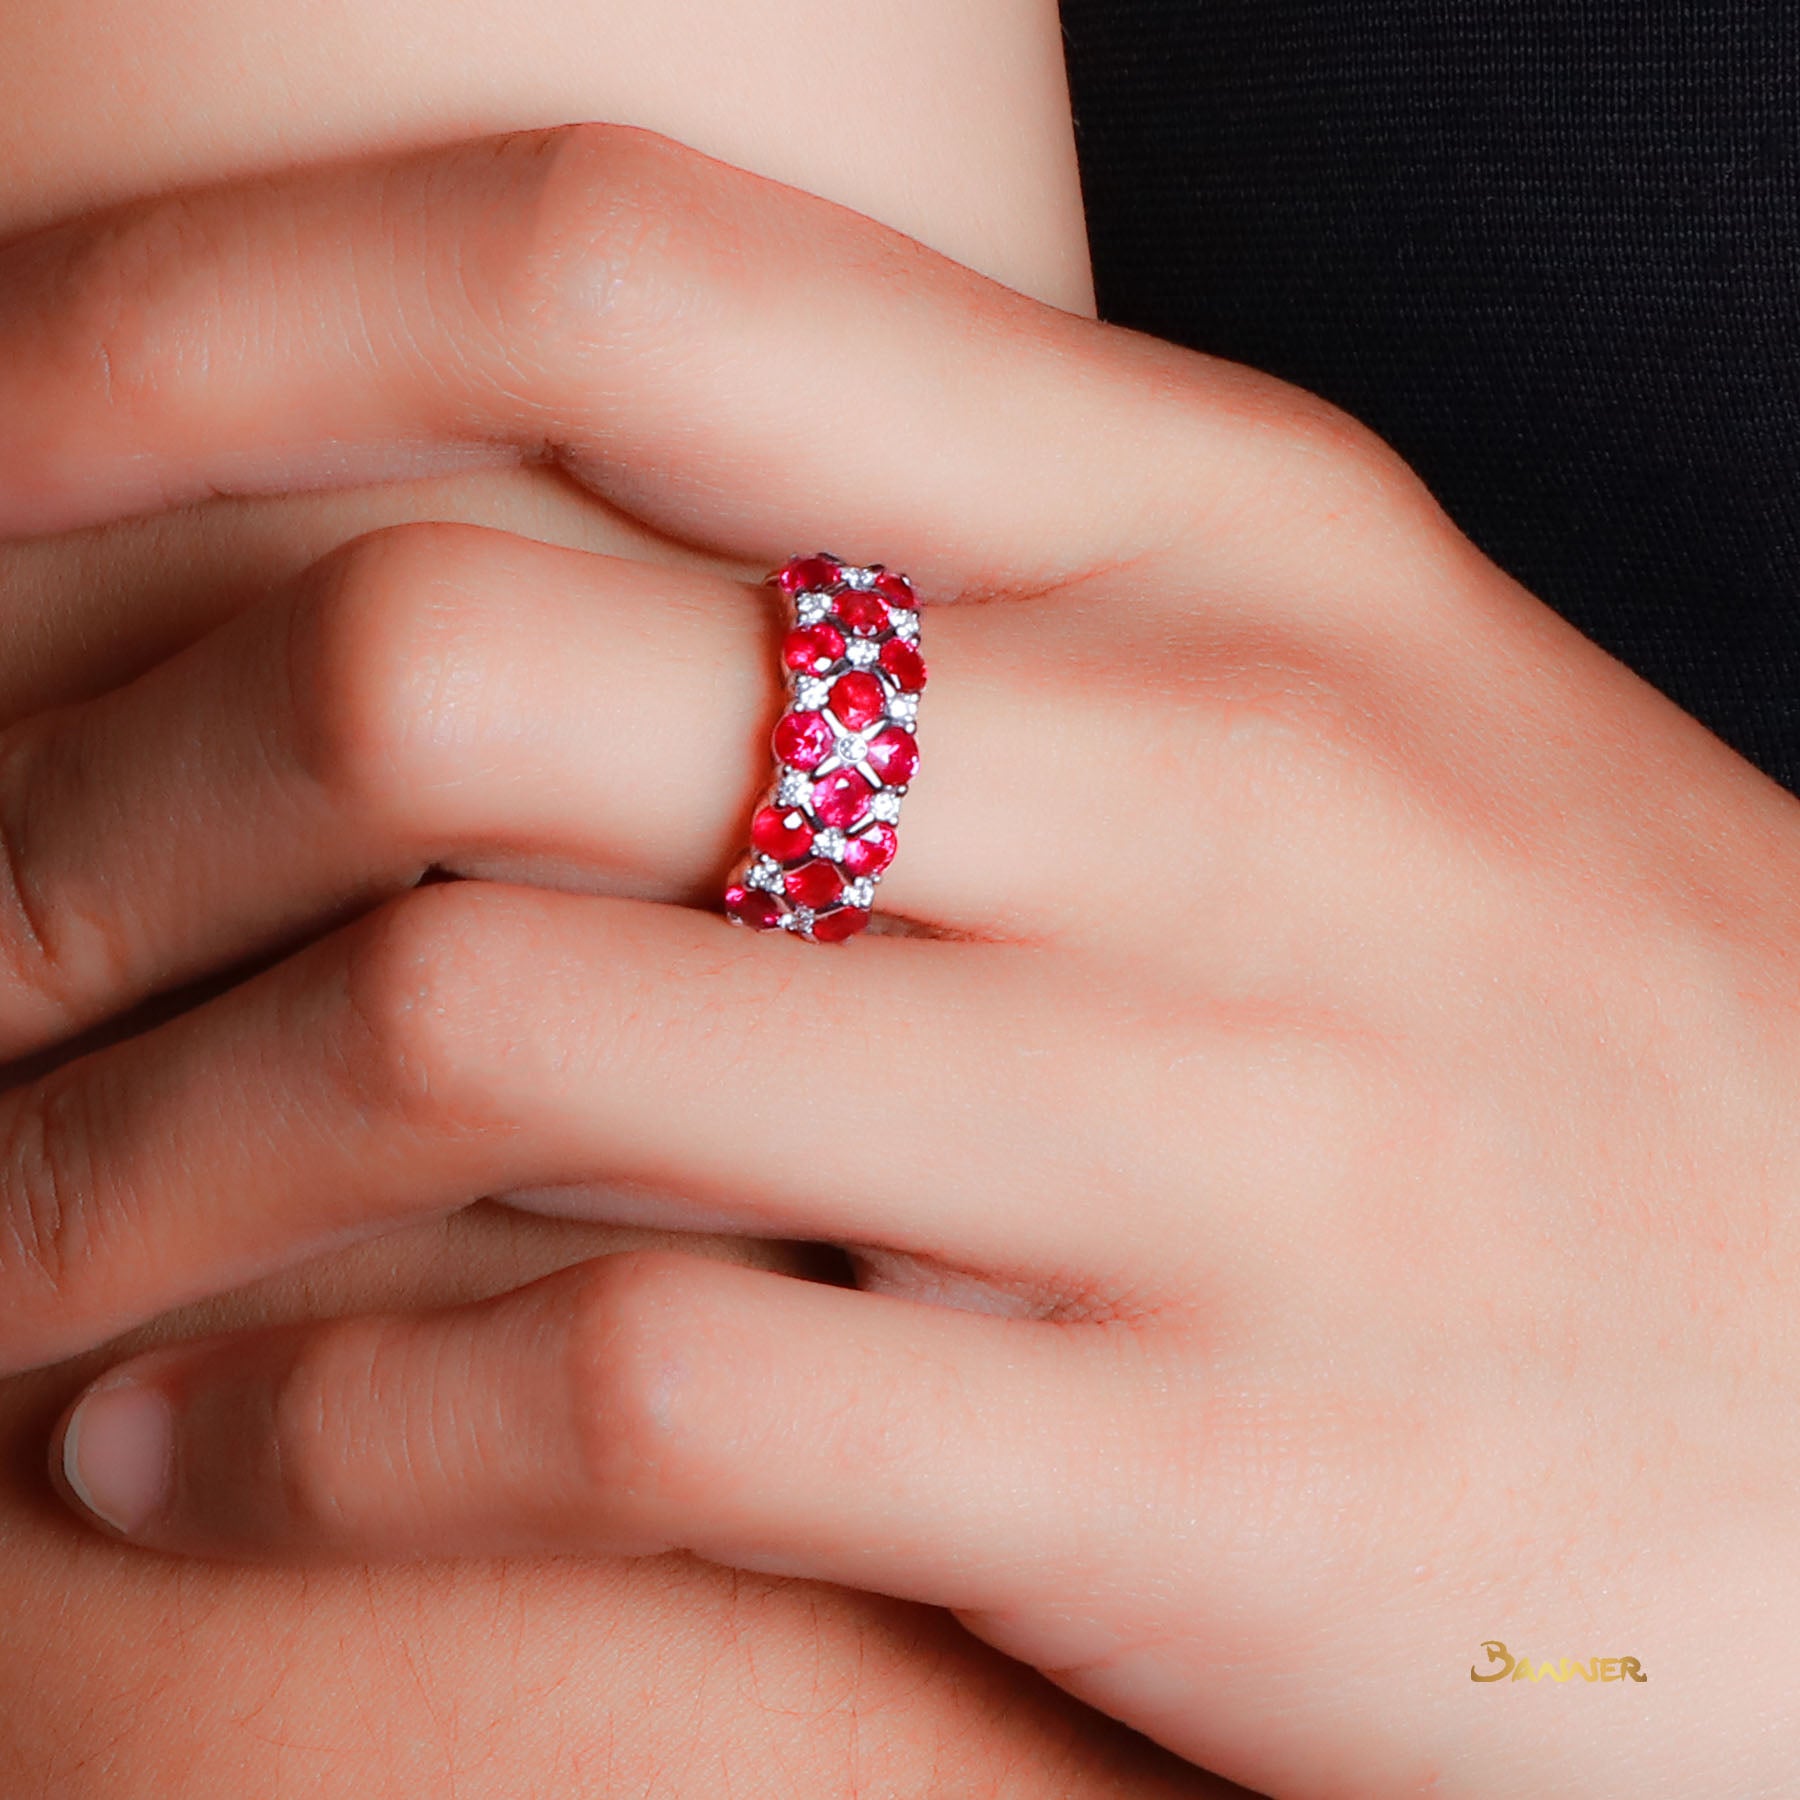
(471, 1039)
(639, 1403)
(87, 611)
(444, 696)
(430, 696)
(730, 360)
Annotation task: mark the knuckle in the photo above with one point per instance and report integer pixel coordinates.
(385, 651)
(412, 1048)
(1330, 463)
(617, 235)
(1299, 726)
(109, 284)
(322, 1397)
(1314, 489)
(48, 1220)
(1292, 719)
(631, 1350)
(57, 954)
(1388, 522)
(1266, 718)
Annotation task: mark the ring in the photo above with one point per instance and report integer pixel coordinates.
(824, 833)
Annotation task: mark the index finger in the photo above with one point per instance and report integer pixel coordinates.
(739, 364)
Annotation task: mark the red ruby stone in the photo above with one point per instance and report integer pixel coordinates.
(904, 663)
(870, 853)
(814, 884)
(806, 572)
(894, 756)
(834, 927)
(858, 699)
(812, 650)
(781, 832)
(841, 799)
(863, 613)
(751, 907)
(895, 589)
(803, 739)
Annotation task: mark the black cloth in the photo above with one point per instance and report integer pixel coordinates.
(1548, 249)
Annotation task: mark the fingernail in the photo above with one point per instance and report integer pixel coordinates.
(117, 1454)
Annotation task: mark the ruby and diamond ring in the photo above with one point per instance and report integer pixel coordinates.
(844, 749)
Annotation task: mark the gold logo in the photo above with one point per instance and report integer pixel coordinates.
(1596, 1668)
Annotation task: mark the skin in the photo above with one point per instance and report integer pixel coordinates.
(1339, 1072)
(124, 1677)
(494, 1677)
(949, 123)
(289, 85)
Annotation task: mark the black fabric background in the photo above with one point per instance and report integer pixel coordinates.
(1549, 249)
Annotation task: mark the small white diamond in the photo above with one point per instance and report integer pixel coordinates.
(860, 892)
(809, 609)
(830, 843)
(851, 749)
(800, 920)
(862, 652)
(886, 806)
(795, 789)
(765, 874)
(903, 709)
(905, 621)
(810, 693)
(860, 579)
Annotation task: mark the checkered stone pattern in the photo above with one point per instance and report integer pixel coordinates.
(824, 835)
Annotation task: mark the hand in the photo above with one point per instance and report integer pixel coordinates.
(500, 1677)
(124, 1674)
(1354, 1053)
(133, 1677)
